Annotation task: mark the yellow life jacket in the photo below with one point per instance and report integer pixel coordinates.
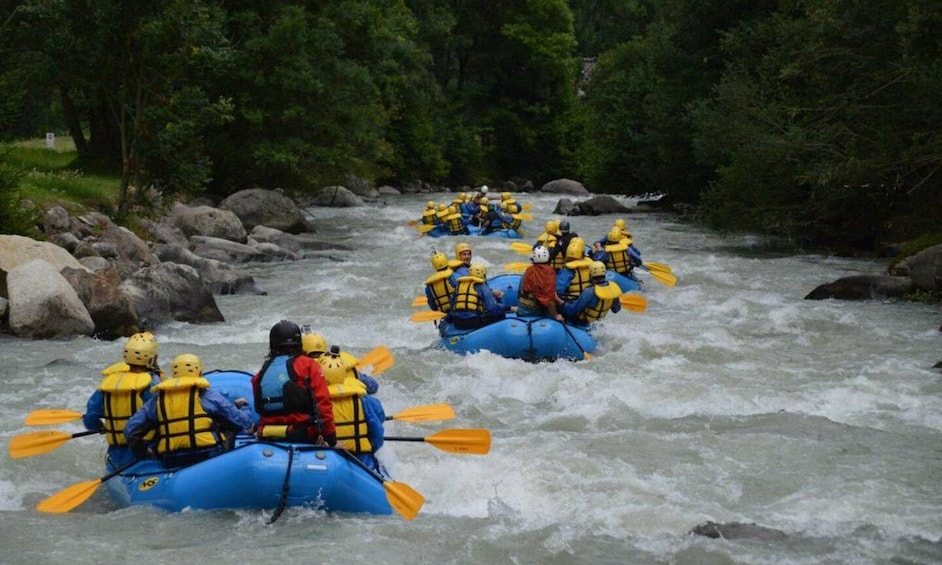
(515, 223)
(466, 297)
(123, 394)
(430, 217)
(454, 223)
(618, 258)
(607, 294)
(580, 280)
(181, 421)
(440, 284)
(349, 416)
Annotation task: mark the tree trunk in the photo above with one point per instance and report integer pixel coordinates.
(73, 121)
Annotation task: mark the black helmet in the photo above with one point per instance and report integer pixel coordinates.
(564, 226)
(284, 335)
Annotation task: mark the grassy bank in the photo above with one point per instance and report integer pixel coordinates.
(34, 178)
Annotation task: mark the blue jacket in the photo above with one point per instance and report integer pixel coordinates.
(587, 299)
(492, 307)
(213, 403)
(118, 455)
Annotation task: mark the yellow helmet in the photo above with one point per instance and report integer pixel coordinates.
(460, 196)
(503, 206)
(439, 261)
(141, 349)
(478, 270)
(452, 209)
(186, 365)
(576, 248)
(461, 247)
(483, 201)
(442, 207)
(620, 224)
(430, 204)
(333, 366)
(615, 235)
(504, 195)
(550, 226)
(313, 344)
(597, 270)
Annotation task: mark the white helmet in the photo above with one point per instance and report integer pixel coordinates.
(539, 254)
(484, 189)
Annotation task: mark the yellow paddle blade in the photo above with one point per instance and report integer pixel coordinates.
(465, 441)
(428, 413)
(405, 500)
(49, 417)
(36, 443)
(662, 277)
(413, 223)
(419, 301)
(382, 364)
(527, 207)
(427, 316)
(379, 355)
(69, 498)
(425, 228)
(659, 267)
(522, 217)
(521, 247)
(633, 302)
(516, 267)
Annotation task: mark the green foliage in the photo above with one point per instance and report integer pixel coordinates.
(16, 217)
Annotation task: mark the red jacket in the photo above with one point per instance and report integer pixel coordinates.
(539, 281)
(305, 368)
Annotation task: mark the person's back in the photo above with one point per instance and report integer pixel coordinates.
(123, 390)
(574, 277)
(192, 422)
(537, 294)
(596, 301)
(358, 417)
(291, 395)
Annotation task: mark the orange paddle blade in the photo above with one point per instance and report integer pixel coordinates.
(633, 302)
(428, 316)
(50, 417)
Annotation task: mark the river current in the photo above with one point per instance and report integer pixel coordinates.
(731, 399)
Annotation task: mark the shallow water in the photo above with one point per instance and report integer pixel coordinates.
(731, 399)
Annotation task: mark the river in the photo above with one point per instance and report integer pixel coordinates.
(731, 399)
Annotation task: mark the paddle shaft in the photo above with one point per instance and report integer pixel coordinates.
(576, 341)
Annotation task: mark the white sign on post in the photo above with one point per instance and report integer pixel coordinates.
(50, 141)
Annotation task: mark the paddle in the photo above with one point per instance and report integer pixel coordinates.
(425, 228)
(413, 223)
(633, 302)
(661, 277)
(379, 357)
(37, 443)
(463, 441)
(49, 417)
(73, 496)
(419, 301)
(585, 354)
(428, 316)
(659, 267)
(405, 500)
(427, 413)
(523, 217)
(521, 247)
(517, 267)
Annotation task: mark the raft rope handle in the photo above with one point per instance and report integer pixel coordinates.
(283, 502)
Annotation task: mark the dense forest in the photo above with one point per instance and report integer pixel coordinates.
(815, 120)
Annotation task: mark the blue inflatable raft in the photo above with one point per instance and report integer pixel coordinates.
(475, 231)
(256, 474)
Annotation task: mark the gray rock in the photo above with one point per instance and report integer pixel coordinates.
(225, 250)
(222, 278)
(170, 291)
(111, 310)
(863, 287)
(209, 222)
(565, 186)
(737, 530)
(272, 208)
(43, 304)
(336, 197)
(925, 268)
(16, 250)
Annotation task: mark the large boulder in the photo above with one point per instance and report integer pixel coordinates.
(16, 250)
(225, 250)
(863, 287)
(565, 186)
(131, 252)
(597, 206)
(222, 278)
(265, 234)
(170, 291)
(737, 530)
(925, 268)
(111, 310)
(272, 208)
(208, 221)
(43, 304)
(335, 197)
